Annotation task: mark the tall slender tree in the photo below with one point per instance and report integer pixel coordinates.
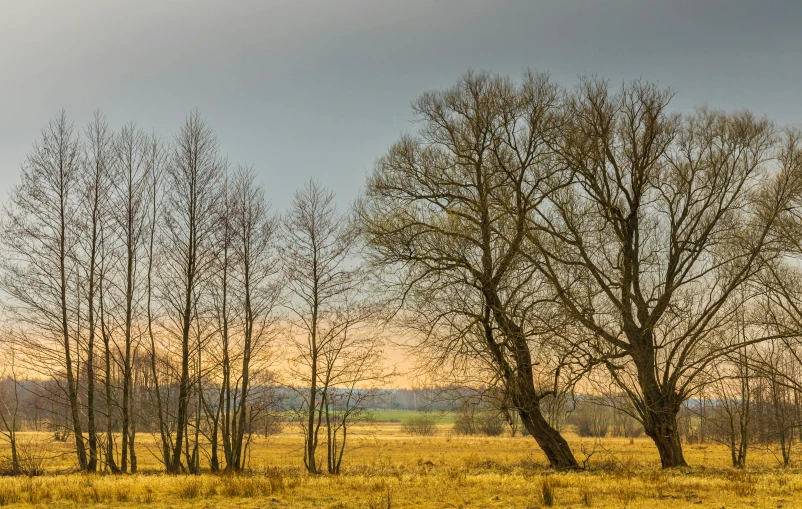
(130, 220)
(96, 180)
(41, 275)
(324, 281)
(192, 197)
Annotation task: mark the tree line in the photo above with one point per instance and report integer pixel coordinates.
(527, 238)
(144, 283)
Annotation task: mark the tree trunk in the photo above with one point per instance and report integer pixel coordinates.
(548, 439)
(660, 424)
(15, 466)
(183, 386)
(110, 460)
(519, 383)
(660, 404)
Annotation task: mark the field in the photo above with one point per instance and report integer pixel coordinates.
(402, 416)
(386, 468)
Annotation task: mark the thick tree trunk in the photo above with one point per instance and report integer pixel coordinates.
(660, 403)
(661, 426)
(548, 439)
(519, 381)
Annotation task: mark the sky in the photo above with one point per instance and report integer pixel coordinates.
(320, 89)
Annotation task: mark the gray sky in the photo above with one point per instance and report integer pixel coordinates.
(302, 88)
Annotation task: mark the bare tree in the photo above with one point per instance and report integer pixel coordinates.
(665, 218)
(192, 196)
(40, 275)
(257, 290)
(131, 185)
(731, 419)
(324, 283)
(156, 161)
(221, 298)
(96, 180)
(352, 376)
(103, 281)
(446, 217)
(245, 296)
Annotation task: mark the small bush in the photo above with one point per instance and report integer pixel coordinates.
(32, 458)
(421, 425)
(632, 428)
(590, 422)
(271, 424)
(465, 420)
(491, 424)
(469, 420)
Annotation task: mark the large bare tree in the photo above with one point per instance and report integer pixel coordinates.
(666, 216)
(246, 295)
(130, 212)
(446, 218)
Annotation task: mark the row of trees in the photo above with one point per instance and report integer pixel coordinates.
(536, 236)
(528, 238)
(146, 274)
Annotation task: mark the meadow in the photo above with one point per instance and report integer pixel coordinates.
(386, 468)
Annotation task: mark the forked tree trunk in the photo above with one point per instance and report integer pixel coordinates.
(659, 412)
(659, 405)
(661, 426)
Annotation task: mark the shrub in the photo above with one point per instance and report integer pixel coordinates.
(469, 421)
(421, 425)
(32, 458)
(632, 428)
(465, 420)
(491, 424)
(590, 422)
(271, 424)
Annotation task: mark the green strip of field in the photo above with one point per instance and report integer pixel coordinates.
(402, 416)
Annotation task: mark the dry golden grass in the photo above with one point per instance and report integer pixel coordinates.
(387, 469)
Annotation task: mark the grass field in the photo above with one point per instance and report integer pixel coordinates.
(385, 468)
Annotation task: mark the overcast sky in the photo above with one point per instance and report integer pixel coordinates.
(321, 88)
